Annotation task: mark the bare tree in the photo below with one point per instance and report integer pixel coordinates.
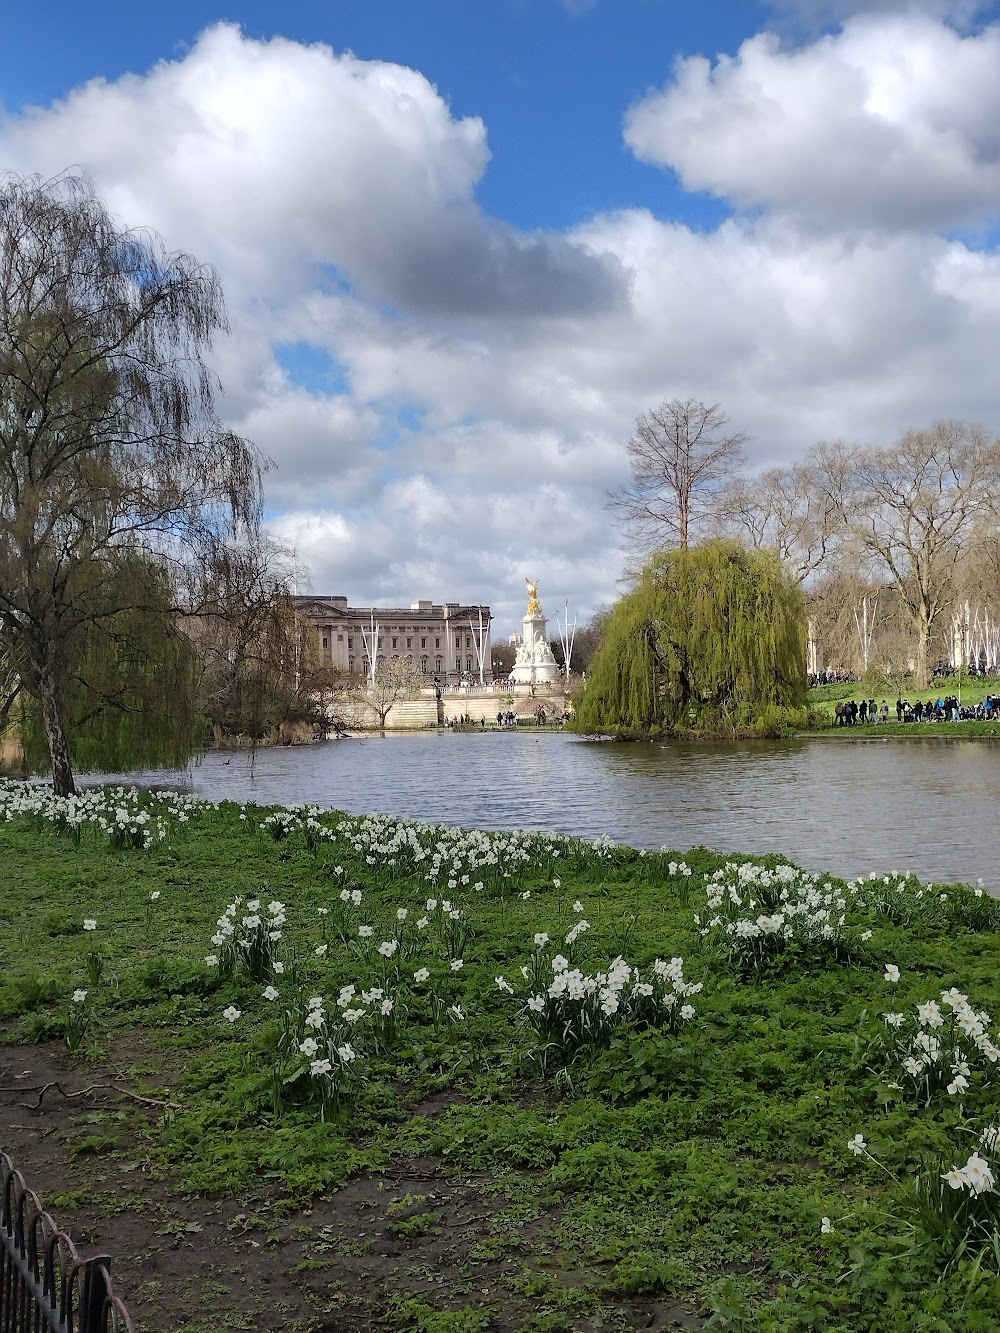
(110, 448)
(912, 507)
(678, 453)
(396, 678)
(259, 661)
(785, 510)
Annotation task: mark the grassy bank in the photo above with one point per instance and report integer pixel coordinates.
(497, 1081)
(823, 700)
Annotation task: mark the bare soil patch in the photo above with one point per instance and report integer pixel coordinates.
(343, 1262)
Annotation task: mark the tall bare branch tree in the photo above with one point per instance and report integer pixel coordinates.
(110, 446)
(678, 453)
(912, 507)
(396, 678)
(785, 510)
(259, 662)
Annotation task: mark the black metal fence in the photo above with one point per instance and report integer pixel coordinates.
(45, 1287)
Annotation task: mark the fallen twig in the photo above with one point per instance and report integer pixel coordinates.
(94, 1087)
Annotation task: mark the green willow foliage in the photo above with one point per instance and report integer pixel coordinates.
(130, 693)
(711, 640)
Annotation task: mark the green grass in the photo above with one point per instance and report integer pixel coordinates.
(690, 1167)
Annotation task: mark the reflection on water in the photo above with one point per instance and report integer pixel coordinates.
(848, 807)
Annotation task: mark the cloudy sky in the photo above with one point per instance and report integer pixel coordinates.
(465, 242)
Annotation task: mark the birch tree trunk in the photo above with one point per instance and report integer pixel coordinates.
(55, 732)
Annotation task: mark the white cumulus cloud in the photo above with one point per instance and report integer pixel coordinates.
(894, 121)
(446, 399)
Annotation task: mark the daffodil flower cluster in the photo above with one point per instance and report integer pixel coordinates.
(976, 1176)
(249, 933)
(958, 1205)
(323, 1047)
(449, 860)
(281, 824)
(128, 820)
(941, 1049)
(904, 899)
(570, 1009)
(439, 924)
(754, 912)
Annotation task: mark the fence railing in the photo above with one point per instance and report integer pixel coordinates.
(45, 1286)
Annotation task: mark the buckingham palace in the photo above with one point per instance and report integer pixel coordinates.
(449, 640)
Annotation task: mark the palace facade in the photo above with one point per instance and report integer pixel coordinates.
(448, 641)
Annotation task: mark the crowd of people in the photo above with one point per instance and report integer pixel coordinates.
(842, 676)
(942, 709)
(539, 718)
(832, 677)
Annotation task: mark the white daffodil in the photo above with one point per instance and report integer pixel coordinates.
(978, 1175)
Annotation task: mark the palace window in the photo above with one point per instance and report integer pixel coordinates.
(326, 642)
(423, 665)
(394, 643)
(423, 643)
(350, 640)
(437, 643)
(409, 643)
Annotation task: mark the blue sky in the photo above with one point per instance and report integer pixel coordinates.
(467, 244)
(551, 80)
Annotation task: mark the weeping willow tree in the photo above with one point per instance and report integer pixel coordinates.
(126, 676)
(710, 640)
(111, 453)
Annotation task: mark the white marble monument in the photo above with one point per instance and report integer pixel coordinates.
(534, 664)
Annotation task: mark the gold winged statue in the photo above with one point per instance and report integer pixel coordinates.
(534, 605)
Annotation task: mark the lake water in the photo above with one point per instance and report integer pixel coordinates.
(848, 807)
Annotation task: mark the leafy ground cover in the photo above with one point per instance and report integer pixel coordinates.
(300, 1070)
